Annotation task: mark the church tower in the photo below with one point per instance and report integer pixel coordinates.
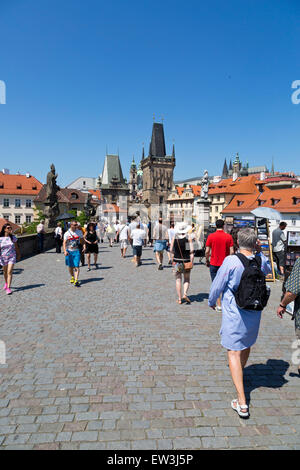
(132, 181)
(157, 168)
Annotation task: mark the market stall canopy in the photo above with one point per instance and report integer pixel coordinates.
(267, 213)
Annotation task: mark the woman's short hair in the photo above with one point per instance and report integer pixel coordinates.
(247, 239)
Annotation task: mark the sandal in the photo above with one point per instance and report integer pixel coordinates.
(185, 297)
(179, 301)
(242, 410)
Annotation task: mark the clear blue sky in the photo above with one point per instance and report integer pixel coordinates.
(85, 74)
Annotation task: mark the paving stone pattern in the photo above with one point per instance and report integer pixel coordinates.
(117, 364)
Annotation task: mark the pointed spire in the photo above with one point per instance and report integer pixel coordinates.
(272, 171)
(230, 165)
(173, 151)
(157, 145)
(225, 170)
(143, 154)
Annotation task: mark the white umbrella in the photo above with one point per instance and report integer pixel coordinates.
(267, 213)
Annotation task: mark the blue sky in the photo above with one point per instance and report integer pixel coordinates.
(85, 75)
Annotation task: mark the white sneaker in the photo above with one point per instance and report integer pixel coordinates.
(218, 309)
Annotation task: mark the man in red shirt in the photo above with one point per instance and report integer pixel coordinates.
(218, 245)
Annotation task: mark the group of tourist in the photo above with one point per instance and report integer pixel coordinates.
(237, 268)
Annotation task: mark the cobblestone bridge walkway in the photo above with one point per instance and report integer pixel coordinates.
(117, 364)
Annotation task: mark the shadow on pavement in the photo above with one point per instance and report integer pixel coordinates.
(30, 286)
(17, 271)
(92, 279)
(198, 297)
(269, 375)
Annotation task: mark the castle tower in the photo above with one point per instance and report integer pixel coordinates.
(157, 168)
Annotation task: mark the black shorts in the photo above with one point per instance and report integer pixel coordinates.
(92, 248)
(137, 251)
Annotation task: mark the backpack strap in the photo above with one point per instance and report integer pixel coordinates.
(244, 260)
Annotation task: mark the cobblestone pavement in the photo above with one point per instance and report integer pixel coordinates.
(117, 364)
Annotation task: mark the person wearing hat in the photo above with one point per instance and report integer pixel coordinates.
(183, 258)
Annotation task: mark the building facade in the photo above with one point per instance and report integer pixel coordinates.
(17, 194)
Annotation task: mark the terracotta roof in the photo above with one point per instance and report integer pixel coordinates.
(242, 185)
(15, 227)
(95, 192)
(65, 195)
(196, 189)
(285, 198)
(19, 184)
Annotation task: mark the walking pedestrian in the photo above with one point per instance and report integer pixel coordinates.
(124, 239)
(40, 229)
(240, 326)
(58, 235)
(171, 234)
(292, 293)
(91, 241)
(218, 245)
(182, 251)
(160, 235)
(110, 233)
(9, 254)
(82, 257)
(71, 245)
(278, 245)
(138, 237)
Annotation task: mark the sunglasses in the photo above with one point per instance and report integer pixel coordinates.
(9, 228)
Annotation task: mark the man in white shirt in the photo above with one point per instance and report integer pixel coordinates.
(278, 244)
(138, 237)
(40, 235)
(123, 238)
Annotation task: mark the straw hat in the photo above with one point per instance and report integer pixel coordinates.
(181, 229)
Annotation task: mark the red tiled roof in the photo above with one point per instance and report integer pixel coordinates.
(283, 196)
(19, 184)
(242, 185)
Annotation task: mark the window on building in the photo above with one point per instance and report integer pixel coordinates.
(217, 208)
(34, 186)
(274, 201)
(296, 200)
(6, 216)
(1, 185)
(161, 199)
(17, 219)
(5, 202)
(19, 186)
(28, 202)
(17, 202)
(74, 196)
(240, 203)
(28, 219)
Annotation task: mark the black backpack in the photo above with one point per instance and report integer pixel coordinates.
(252, 293)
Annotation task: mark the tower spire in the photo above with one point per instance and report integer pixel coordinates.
(225, 170)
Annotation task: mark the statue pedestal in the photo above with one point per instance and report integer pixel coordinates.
(201, 213)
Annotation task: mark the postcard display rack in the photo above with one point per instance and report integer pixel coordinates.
(292, 251)
(263, 234)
